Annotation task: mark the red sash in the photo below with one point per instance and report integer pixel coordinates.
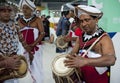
(28, 36)
(90, 75)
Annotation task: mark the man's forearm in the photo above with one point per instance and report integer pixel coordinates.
(2, 64)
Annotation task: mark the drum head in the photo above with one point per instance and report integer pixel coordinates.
(58, 66)
(60, 43)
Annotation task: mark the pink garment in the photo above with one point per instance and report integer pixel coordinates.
(78, 32)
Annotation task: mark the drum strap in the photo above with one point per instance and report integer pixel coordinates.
(69, 80)
(85, 53)
(77, 75)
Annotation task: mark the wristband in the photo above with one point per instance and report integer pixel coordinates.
(42, 33)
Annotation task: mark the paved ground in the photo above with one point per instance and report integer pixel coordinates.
(48, 56)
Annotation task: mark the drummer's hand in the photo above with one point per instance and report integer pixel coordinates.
(72, 53)
(67, 38)
(75, 61)
(12, 62)
(28, 48)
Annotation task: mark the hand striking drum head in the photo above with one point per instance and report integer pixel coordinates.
(58, 66)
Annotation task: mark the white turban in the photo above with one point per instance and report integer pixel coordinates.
(29, 3)
(83, 9)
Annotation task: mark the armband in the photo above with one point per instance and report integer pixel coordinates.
(42, 33)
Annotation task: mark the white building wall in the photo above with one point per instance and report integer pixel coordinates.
(115, 70)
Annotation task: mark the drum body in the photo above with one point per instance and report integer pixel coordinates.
(6, 74)
(62, 74)
(60, 43)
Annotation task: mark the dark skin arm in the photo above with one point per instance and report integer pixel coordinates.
(67, 38)
(105, 48)
(41, 32)
(76, 47)
(10, 62)
(40, 36)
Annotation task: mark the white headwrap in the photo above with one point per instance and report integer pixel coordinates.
(83, 9)
(29, 3)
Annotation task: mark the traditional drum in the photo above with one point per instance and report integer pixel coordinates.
(60, 43)
(63, 74)
(6, 74)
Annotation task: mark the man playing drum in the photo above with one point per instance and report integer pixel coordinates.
(94, 62)
(8, 42)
